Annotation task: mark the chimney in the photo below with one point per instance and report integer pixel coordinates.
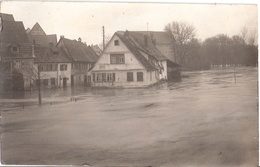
(33, 52)
(146, 40)
(62, 36)
(79, 39)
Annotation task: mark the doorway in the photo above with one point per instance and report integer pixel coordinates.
(64, 81)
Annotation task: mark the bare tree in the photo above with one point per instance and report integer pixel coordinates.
(107, 39)
(244, 32)
(182, 36)
(252, 37)
(31, 72)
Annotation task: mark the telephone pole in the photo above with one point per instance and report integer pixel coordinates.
(103, 29)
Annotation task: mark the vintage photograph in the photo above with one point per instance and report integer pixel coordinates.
(129, 84)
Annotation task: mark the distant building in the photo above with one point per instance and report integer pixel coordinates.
(130, 60)
(37, 35)
(82, 59)
(54, 66)
(97, 49)
(15, 54)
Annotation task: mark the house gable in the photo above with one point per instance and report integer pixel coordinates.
(37, 30)
(78, 51)
(117, 47)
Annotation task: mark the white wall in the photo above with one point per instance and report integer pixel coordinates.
(63, 74)
(121, 80)
(131, 64)
(103, 63)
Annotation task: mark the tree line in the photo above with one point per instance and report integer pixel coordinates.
(219, 50)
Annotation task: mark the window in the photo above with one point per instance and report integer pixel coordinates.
(130, 76)
(114, 76)
(103, 76)
(94, 77)
(99, 76)
(63, 67)
(117, 58)
(18, 64)
(110, 77)
(113, 59)
(15, 49)
(52, 81)
(116, 42)
(140, 76)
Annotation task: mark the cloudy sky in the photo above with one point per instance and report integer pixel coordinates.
(85, 19)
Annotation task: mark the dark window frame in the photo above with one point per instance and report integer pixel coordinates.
(140, 76)
(116, 42)
(53, 81)
(117, 59)
(130, 76)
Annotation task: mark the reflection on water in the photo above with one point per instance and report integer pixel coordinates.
(194, 82)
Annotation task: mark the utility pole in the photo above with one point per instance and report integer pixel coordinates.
(147, 24)
(103, 30)
(39, 86)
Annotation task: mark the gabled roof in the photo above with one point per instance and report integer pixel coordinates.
(161, 37)
(43, 40)
(79, 51)
(131, 46)
(51, 55)
(159, 44)
(150, 48)
(25, 50)
(97, 49)
(6, 17)
(37, 30)
(13, 32)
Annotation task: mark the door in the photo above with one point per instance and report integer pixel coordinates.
(64, 82)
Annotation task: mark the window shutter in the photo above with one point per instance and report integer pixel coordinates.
(114, 76)
(94, 77)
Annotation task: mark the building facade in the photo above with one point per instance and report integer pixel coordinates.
(82, 59)
(122, 65)
(54, 67)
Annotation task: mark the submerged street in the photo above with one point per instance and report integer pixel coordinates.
(210, 118)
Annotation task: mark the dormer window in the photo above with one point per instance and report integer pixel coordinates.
(116, 42)
(15, 49)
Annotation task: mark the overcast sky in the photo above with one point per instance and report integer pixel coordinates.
(85, 19)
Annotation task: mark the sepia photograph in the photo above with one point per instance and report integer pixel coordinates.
(129, 84)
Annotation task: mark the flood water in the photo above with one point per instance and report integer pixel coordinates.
(209, 118)
(196, 82)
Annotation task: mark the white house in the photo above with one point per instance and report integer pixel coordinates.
(82, 58)
(54, 66)
(129, 62)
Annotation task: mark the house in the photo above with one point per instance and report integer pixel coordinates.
(37, 35)
(54, 67)
(82, 59)
(162, 44)
(15, 53)
(130, 59)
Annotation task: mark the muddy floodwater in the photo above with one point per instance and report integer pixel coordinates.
(209, 118)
